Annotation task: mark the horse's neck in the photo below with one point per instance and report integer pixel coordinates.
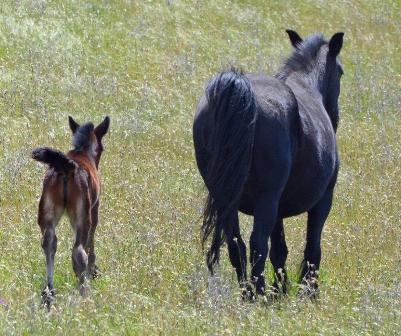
(310, 104)
(305, 93)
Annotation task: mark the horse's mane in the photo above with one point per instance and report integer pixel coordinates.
(81, 139)
(303, 57)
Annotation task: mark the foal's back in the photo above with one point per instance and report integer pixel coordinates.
(87, 174)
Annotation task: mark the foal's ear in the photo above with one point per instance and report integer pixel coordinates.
(102, 128)
(335, 44)
(73, 124)
(295, 39)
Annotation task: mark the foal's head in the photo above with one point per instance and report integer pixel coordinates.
(315, 59)
(88, 139)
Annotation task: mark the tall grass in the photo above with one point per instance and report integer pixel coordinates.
(145, 64)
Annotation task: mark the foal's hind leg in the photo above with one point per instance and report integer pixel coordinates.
(237, 252)
(93, 271)
(312, 254)
(49, 215)
(81, 221)
(278, 257)
(264, 220)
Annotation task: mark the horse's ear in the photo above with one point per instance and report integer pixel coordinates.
(73, 124)
(335, 44)
(102, 128)
(295, 39)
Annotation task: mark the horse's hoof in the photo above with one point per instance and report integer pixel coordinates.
(309, 284)
(280, 282)
(272, 295)
(247, 294)
(48, 296)
(309, 289)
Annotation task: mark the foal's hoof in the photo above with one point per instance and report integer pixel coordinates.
(84, 289)
(84, 286)
(48, 296)
(95, 274)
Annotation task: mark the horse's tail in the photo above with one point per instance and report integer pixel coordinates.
(232, 103)
(54, 158)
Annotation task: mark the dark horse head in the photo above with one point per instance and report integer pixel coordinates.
(316, 60)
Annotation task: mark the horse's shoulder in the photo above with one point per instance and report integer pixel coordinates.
(274, 97)
(261, 81)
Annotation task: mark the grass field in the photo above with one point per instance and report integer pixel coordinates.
(145, 63)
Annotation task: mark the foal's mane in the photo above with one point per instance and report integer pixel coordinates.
(304, 56)
(81, 138)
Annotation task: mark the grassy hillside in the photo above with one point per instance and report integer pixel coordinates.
(145, 64)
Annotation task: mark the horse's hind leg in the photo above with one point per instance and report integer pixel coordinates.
(265, 214)
(278, 256)
(49, 215)
(312, 254)
(237, 253)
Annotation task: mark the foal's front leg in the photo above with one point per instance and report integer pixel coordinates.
(265, 214)
(312, 254)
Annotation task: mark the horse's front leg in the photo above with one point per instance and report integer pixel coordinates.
(265, 214)
(278, 256)
(312, 254)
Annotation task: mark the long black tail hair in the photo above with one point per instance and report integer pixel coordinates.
(232, 103)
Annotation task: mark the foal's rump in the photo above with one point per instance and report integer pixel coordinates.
(65, 184)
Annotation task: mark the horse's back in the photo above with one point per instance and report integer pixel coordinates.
(294, 152)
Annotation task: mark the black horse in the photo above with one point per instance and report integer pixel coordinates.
(266, 146)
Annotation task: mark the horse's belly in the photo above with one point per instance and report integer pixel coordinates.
(298, 202)
(302, 194)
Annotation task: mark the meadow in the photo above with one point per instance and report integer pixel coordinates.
(145, 64)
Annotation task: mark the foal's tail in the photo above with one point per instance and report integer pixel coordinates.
(232, 103)
(54, 158)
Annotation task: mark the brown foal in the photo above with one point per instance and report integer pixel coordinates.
(72, 183)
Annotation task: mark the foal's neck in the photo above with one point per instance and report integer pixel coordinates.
(80, 155)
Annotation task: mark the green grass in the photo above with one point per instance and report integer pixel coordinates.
(145, 64)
